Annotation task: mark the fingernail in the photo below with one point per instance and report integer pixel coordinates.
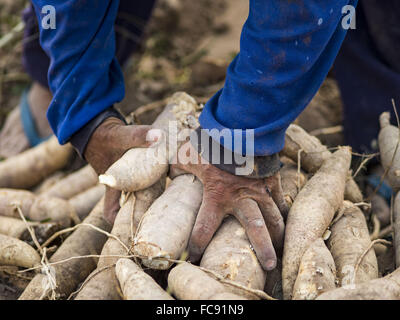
(270, 265)
(154, 135)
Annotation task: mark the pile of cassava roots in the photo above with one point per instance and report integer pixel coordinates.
(56, 244)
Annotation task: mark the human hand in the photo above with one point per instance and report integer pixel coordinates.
(258, 204)
(107, 144)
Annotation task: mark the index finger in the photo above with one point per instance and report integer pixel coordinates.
(250, 217)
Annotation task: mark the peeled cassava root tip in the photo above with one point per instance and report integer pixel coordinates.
(139, 168)
(166, 226)
(312, 212)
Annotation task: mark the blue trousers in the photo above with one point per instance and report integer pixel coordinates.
(132, 18)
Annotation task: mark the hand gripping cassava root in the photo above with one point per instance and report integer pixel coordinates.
(136, 284)
(312, 212)
(188, 282)
(312, 156)
(388, 140)
(230, 255)
(166, 227)
(348, 241)
(36, 208)
(14, 252)
(317, 272)
(83, 241)
(103, 285)
(73, 184)
(139, 168)
(27, 169)
(387, 288)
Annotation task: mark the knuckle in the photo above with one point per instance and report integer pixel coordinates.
(216, 191)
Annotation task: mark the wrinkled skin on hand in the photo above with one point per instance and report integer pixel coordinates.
(258, 204)
(107, 144)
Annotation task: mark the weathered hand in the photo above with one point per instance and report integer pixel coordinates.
(256, 203)
(107, 144)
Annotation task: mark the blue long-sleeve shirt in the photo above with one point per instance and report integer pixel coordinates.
(286, 51)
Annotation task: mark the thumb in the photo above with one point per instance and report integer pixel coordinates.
(134, 136)
(113, 138)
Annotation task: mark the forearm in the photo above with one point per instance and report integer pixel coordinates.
(287, 49)
(84, 76)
